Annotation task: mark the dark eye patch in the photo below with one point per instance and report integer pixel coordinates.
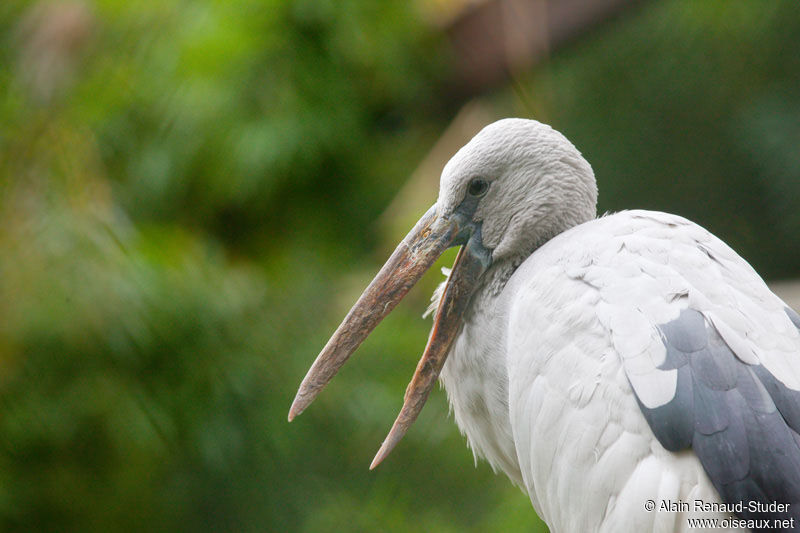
(478, 187)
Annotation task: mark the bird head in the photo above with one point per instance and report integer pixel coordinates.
(516, 184)
(522, 182)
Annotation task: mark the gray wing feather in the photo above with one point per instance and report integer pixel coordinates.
(741, 421)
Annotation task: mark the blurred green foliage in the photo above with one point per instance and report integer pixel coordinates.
(187, 197)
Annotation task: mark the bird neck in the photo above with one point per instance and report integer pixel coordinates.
(495, 279)
(497, 276)
(534, 236)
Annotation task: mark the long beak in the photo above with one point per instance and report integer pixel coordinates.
(471, 262)
(431, 236)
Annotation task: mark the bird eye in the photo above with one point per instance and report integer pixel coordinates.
(478, 187)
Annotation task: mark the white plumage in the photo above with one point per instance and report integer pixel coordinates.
(577, 326)
(599, 363)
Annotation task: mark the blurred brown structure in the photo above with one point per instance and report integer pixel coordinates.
(497, 39)
(51, 41)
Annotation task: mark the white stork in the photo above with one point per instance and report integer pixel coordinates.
(631, 371)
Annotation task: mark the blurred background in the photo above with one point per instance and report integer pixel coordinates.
(192, 194)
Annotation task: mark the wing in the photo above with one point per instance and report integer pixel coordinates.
(712, 355)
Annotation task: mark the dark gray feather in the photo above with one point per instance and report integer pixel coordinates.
(687, 333)
(786, 400)
(673, 422)
(742, 422)
(711, 409)
(714, 366)
(727, 449)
